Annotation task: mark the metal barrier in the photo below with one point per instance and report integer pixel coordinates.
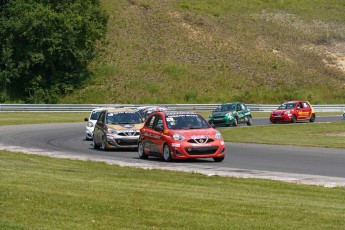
(173, 107)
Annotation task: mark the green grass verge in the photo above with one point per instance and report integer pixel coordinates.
(301, 134)
(19, 118)
(12, 118)
(39, 192)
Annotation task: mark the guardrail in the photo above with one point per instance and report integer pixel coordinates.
(173, 107)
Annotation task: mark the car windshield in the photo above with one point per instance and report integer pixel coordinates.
(186, 121)
(123, 118)
(287, 106)
(226, 107)
(95, 115)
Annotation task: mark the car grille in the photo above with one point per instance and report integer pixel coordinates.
(127, 142)
(128, 134)
(218, 117)
(200, 141)
(201, 150)
(218, 121)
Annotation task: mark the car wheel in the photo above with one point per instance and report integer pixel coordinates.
(293, 119)
(166, 153)
(235, 122)
(95, 145)
(218, 159)
(250, 121)
(141, 152)
(312, 118)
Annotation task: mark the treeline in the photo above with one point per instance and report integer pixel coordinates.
(45, 47)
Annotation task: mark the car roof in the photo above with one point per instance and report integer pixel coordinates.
(295, 101)
(119, 110)
(170, 113)
(231, 103)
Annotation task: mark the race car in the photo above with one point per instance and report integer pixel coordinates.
(180, 135)
(146, 111)
(117, 128)
(90, 122)
(231, 114)
(293, 111)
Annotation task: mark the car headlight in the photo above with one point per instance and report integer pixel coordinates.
(89, 124)
(218, 135)
(230, 115)
(111, 131)
(178, 137)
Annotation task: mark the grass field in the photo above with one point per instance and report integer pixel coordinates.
(39, 192)
(301, 134)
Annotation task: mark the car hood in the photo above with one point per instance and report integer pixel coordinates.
(216, 114)
(197, 133)
(126, 126)
(279, 111)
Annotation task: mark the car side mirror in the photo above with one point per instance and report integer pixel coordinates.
(86, 119)
(213, 126)
(100, 123)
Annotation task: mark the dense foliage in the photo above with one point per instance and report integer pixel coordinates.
(45, 46)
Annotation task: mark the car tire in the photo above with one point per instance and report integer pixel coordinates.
(293, 119)
(95, 145)
(166, 153)
(141, 151)
(218, 159)
(235, 122)
(250, 121)
(312, 118)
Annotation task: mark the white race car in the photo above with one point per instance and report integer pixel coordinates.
(91, 121)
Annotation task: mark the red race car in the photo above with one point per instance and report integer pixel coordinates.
(180, 135)
(293, 111)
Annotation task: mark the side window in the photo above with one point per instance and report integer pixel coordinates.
(238, 107)
(159, 122)
(299, 106)
(243, 107)
(305, 105)
(101, 117)
(150, 122)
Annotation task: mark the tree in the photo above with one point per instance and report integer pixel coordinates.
(46, 45)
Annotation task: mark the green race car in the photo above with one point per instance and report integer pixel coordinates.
(231, 114)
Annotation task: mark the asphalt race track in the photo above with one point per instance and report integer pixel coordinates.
(309, 165)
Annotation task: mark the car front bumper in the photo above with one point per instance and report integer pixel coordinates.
(221, 121)
(89, 133)
(186, 150)
(280, 118)
(116, 141)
